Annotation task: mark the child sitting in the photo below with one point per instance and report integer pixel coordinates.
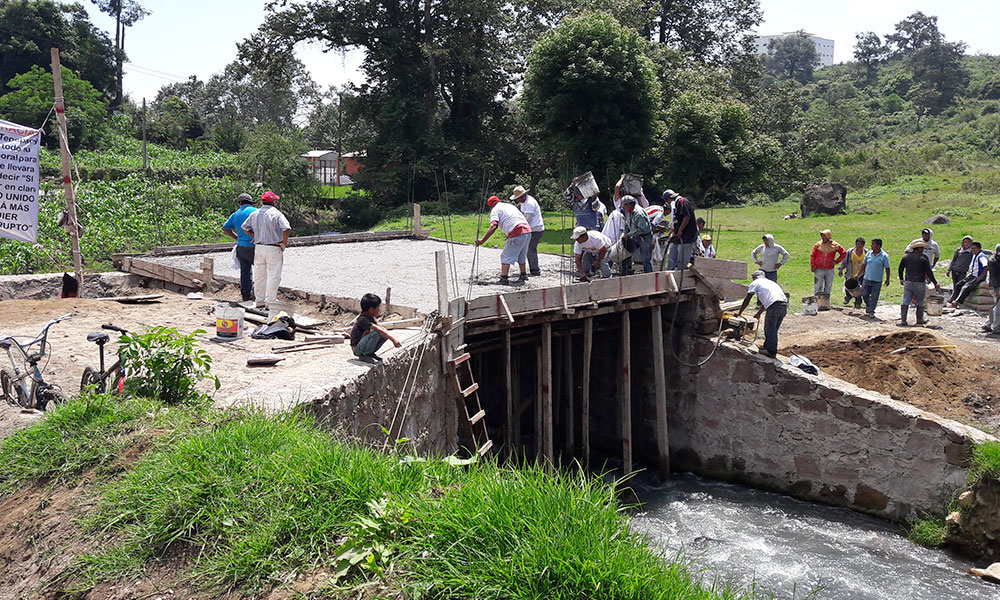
(366, 336)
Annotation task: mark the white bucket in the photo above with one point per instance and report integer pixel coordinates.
(586, 185)
(228, 322)
(810, 305)
(934, 305)
(632, 185)
(276, 307)
(618, 253)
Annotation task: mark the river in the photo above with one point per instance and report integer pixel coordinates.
(794, 548)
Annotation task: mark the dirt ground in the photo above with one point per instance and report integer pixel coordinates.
(301, 377)
(962, 383)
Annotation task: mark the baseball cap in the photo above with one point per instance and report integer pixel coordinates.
(269, 197)
(578, 232)
(492, 201)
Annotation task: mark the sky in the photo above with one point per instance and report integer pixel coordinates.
(187, 37)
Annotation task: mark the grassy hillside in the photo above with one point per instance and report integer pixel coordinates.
(893, 212)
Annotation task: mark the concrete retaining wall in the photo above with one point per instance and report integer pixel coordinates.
(747, 418)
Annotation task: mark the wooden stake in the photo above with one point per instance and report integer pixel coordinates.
(568, 375)
(207, 274)
(660, 383)
(515, 386)
(441, 268)
(388, 300)
(74, 232)
(506, 309)
(508, 396)
(145, 157)
(418, 231)
(547, 392)
(626, 392)
(588, 344)
(538, 403)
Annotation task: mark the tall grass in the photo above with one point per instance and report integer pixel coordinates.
(985, 462)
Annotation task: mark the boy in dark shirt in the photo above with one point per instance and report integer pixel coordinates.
(366, 336)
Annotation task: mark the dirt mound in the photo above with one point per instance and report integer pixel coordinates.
(953, 382)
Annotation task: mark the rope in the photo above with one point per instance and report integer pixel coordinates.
(411, 374)
(673, 322)
(474, 274)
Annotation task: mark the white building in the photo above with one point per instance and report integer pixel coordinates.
(824, 47)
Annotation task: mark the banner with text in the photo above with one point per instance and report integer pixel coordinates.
(19, 181)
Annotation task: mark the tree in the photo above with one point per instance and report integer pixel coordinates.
(709, 148)
(31, 27)
(273, 156)
(336, 123)
(30, 98)
(792, 57)
(713, 31)
(591, 92)
(174, 123)
(870, 51)
(939, 75)
(913, 33)
(126, 14)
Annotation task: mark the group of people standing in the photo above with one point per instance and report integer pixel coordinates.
(261, 236)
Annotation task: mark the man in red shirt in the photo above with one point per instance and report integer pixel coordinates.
(826, 254)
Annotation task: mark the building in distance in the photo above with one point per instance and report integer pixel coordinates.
(824, 47)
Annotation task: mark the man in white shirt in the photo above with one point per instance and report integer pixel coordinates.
(772, 299)
(513, 225)
(533, 214)
(269, 229)
(590, 249)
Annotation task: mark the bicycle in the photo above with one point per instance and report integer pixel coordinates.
(98, 378)
(22, 383)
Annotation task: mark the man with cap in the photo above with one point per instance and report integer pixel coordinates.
(533, 214)
(704, 246)
(513, 225)
(773, 300)
(914, 272)
(243, 251)
(958, 268)
(932, 251)
(269, 230)
(977, 273)
(993, 266)
(683, 233)
(590, 249)
(639, 229)
(770, 257)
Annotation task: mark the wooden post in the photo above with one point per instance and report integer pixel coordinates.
(388, 300)
(568, 376)
(509, 396)
(626, 392)
(441, 268)
(539, 433)
(207, 274)
(145, 157)
(418, 230)
(515, 386)
(547, 392)
(74, 231)
(588, 344)
(659, 381)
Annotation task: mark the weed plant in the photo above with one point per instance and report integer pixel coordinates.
(928, 530)
(985, 462)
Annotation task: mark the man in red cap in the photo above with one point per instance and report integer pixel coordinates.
(513, 224)
(269, 229)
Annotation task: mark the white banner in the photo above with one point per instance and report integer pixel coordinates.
(19, 181)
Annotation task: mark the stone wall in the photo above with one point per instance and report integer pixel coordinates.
(366, 405)
(747, 418)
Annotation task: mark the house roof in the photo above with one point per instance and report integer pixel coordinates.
(318, 153)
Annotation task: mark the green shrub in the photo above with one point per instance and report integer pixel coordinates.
(928, 531)
(164, 365)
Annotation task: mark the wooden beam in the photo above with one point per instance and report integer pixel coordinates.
(304, 240)
(508, 396)
(547, 445)
(506, 309)
(588, 344)
(539, 433)
(722, 269)
(441, 270)
(568, 393)
(417, 229)
(660, 385)
(626, 392)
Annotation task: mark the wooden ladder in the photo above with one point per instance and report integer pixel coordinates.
(470, 410)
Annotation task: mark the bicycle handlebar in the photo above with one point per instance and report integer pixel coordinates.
(111, 327)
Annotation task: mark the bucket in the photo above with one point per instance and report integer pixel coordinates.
(228, 322)
(824, 301)
(632, 185)
(810, 306)
(853, 287)
(273, 308)
(586, 185)
(934, 305)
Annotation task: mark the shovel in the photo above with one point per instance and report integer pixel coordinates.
(905, 348)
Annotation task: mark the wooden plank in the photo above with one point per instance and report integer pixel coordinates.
(152, 270)
(721, 269)
(729, 289)
(441, 272)
(538, 403)
(508, 396)
(529, 301)
(706, 282)
(400, 324)
(132, 299)
(518, 402)
(417, 229)
(626, 392)
(588, 344)
(547, 436)
(506, 309)
(207, 273)
(660, 388)
(305, 240)
(568, 393)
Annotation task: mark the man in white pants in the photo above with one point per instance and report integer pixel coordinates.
(269, 229)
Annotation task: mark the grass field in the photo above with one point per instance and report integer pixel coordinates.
(893, 212)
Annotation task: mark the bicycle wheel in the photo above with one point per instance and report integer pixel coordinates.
(49, 397)
(12, 393)
(92, 377)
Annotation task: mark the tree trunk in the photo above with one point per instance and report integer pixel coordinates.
(119, 58)
(430, 108)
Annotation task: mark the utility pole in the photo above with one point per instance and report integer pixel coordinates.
(145, 163)
(340, 129)
(74, 227)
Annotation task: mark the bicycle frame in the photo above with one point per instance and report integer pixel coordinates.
(33, 373)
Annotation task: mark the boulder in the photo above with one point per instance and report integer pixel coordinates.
(827, 198)
(938, 219)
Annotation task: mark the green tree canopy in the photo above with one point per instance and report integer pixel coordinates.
(31, 96)
(591, 92)
(913, 33)
(792, 57)
(869, 50)
(30, 28)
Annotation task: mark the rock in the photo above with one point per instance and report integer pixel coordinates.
(828, 198)
(954, 518)
(990, 573)
(967, 499)
(938, 219)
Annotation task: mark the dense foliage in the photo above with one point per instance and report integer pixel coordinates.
(29, 101)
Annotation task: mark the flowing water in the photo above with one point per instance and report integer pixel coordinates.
(793, 548)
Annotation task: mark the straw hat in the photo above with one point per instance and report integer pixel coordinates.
(518, 192)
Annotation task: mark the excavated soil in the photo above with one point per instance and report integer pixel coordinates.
(961, 383)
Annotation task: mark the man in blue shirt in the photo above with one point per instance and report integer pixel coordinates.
(876, 266)
(244, 243)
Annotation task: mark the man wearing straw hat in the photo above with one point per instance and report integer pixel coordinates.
(533, 214)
